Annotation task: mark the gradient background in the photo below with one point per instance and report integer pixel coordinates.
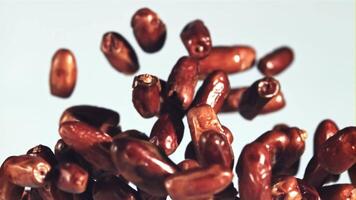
(320, 83)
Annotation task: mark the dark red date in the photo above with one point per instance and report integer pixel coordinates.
(196, 39)
(72, 178)
(276, 61)
(338, 192)
(146, 95)
(149, 30)
(119, 53)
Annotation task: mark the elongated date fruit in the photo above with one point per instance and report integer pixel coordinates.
(215, 89)
(119, 53)
(196, 39)
(257, 96)
(214, 148)
(90, 143)
(230, 59)
(27, 170)
(276, 62)
(254, 171)
(149, 30)
(167, 133)
(182, 82)
(146, 95)
(102, 118)
(338, 153)
(142, 163)
(63, 74)
(198, 183)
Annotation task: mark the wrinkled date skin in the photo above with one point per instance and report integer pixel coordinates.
(8, 190)
(44, 152)
(26, 170)
(146, 95)
(257, 96)
(63, 74)
(232, 102)
(215, 149)
(338, 153)
(119, 53)
(201, 119)
(149, 30)
(286, 188)
(142, 163)
(308, 191)
(182, 82)
(113, 188)
(314, 174)
(213, 92)
(198, 183)
(90, 143)
(196, 39)
(276, 61)
(102, 118)
(293, 151)
(338, 192)
(276, 143)
(72, 178)
(230, 59)
(167, 133)
(254, 171)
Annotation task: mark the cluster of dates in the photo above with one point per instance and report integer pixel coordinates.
(95, 159)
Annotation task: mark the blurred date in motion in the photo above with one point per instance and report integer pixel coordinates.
(63, 74)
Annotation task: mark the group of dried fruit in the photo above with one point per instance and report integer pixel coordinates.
(96, 160)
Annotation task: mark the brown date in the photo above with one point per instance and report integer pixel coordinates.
(338, 153)
(254, 171)
(314, 174)
(8, 190)
(182, 82)
(149, 30)
(257, 96)
(26, 170)
(338, 192)
(190, 151)
(276, 62)
(213, 91)
(293, 151)
(198, 183)
(201, 119)
(113, 188)
(90, 143)
(276, 103)
(286, 188)
(72, 178)
(230, 59)
(215, 149)
(146, 95)
(229, 193)
(142, 163)
(63, 74)
(145, 196)
(51, 192)
(102, 118)
(196, 39)
(167, 133)
(119, 53)
(228, 134)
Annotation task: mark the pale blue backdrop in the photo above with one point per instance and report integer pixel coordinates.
(320, 84)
